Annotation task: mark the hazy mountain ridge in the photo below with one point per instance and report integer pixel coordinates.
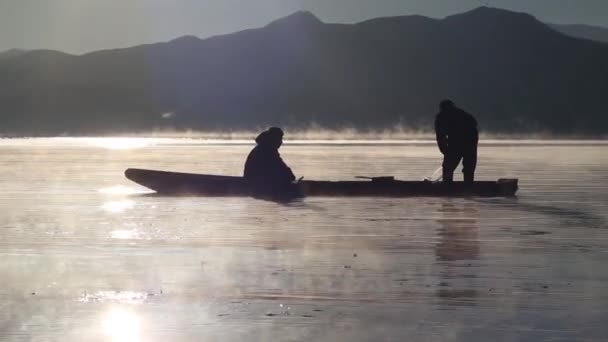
(11, 53)
(596, 33)
(512, 71)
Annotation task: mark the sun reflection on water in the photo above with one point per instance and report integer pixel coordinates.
(122, 190)
(118, 206)
(126, 235)
(126, 297)
(121, 325)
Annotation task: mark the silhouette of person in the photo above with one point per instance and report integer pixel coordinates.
(457, 138)
(265, 171)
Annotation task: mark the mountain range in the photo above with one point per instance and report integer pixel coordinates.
(596, 33)
(513, 72)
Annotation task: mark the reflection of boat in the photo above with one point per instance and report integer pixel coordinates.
(175, 183)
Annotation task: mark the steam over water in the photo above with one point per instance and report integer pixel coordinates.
(88, 256)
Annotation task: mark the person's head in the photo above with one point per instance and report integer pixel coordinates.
(272, 137)
(446, 104)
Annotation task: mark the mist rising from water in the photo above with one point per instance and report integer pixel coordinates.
(317, 133)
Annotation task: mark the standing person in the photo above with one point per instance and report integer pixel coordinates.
(457, 138)
(265, 171)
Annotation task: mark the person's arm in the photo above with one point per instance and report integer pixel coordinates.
(441, 135)
(287, 171)
(283, 172)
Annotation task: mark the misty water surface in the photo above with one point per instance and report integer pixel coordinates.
(88, 256)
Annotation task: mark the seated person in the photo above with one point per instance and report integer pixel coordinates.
(265, 171)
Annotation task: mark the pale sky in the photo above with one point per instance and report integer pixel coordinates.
(78, 26)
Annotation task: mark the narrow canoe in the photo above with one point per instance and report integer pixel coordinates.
(177, 183)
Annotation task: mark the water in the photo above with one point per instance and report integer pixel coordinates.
(87, 257)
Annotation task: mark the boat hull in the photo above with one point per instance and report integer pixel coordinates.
(176, 183)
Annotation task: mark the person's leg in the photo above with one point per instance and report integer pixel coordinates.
(469, 163)
(450, 162)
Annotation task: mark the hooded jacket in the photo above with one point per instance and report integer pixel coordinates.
(264, 167)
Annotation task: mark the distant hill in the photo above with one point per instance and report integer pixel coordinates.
(513, 72)
(11, 53)
(597, 33)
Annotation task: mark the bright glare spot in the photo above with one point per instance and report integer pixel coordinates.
(126, 297)
(121, 190)
(121, 325)
(118, 206)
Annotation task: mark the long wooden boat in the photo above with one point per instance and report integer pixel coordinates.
(177, 183)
